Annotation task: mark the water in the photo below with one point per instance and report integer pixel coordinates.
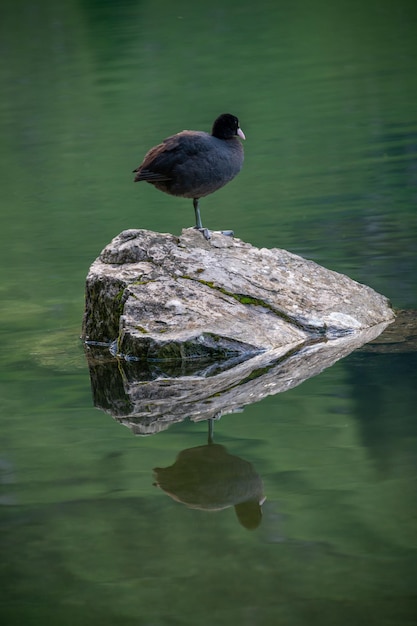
(326, 95)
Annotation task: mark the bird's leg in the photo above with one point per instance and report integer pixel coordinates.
(198, 223)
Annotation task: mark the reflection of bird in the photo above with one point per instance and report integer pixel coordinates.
(209, 478)
(193, 164)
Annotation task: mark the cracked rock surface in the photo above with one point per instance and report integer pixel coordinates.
(157, 296)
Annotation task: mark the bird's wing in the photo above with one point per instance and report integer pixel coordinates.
(152, 167)
(161, 161)
(149, 175)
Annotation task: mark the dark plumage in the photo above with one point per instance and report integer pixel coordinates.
(193, 164)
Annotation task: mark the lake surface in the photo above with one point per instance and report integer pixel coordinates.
(326, 94)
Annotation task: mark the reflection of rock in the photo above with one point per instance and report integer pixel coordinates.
(147, 400)
(176, 298)
(209, 478)
(401, 336)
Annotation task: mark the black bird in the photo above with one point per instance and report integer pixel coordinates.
(193, 164)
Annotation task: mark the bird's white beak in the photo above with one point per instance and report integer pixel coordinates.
(241, 133)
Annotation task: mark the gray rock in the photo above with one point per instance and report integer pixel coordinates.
(161, 297)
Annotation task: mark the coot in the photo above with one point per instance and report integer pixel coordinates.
(193, 164)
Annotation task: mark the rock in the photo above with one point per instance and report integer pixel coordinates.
(199, 329)
(173, 299)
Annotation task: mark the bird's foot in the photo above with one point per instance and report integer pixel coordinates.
(204, 231)
(207, 233)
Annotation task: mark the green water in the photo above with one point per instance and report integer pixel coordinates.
(326, 94)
